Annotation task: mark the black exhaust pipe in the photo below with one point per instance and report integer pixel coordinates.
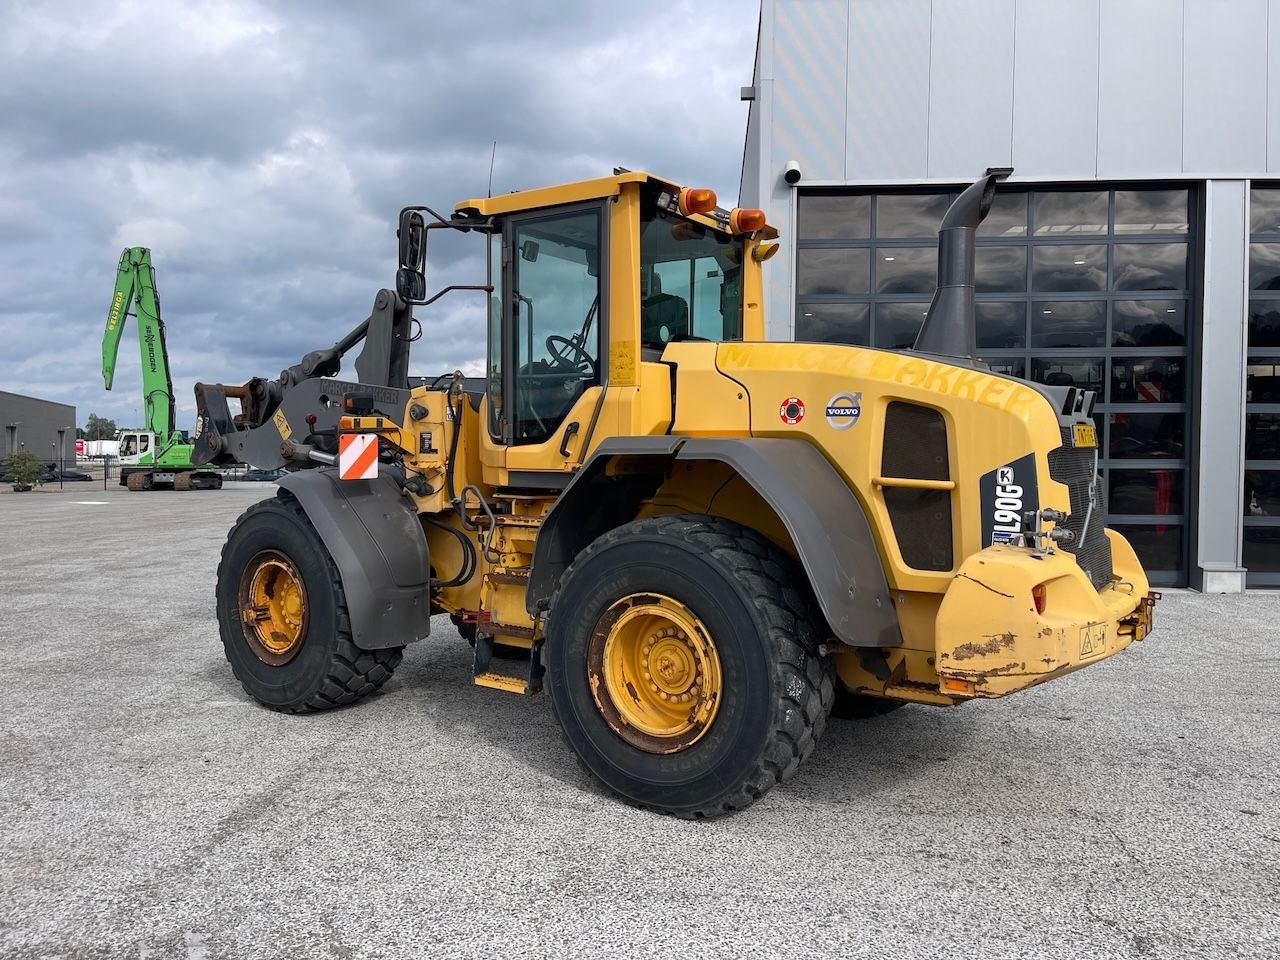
(950, 327)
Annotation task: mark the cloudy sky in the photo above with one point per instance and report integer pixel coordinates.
(263, 149)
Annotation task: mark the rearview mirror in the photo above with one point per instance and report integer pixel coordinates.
(411, 277)
(411, 285)
(413, 241)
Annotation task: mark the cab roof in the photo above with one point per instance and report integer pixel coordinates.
(565, 193)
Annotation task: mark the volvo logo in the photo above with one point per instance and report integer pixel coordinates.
(843, 410)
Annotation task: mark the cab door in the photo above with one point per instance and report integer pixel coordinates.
(546, 375)
(128, 451)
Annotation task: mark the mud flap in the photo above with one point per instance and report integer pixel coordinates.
(377, 543)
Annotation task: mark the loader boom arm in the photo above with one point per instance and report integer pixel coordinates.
(136, 292)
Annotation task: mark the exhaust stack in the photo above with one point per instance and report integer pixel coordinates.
(950, 327)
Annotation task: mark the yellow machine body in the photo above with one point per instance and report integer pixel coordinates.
(973, 628)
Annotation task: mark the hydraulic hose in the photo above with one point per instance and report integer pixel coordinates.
(468, 554)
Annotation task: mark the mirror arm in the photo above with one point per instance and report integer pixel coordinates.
(452, 224)
(486, 287)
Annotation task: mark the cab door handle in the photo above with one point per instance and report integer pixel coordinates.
(569, 431)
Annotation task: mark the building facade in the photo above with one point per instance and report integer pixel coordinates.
(1135, 251)
(40, 427)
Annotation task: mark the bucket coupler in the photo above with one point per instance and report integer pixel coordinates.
(301, 408)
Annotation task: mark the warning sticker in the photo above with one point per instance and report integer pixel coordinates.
(791, 411)
(282, 425)
(1093, 639)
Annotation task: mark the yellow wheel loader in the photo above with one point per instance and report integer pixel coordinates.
(697, 540)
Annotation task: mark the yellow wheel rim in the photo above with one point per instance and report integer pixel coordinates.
(654, 673)
(273, 607)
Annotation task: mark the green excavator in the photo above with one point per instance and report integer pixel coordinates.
(156, 454)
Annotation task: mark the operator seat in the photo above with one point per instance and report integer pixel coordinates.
(662, 310)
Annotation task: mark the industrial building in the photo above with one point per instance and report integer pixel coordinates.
(1135, 251)
(41, 427)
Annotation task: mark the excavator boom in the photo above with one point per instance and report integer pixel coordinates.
(136, 292)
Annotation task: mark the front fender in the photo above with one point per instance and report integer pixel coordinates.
(377, 543)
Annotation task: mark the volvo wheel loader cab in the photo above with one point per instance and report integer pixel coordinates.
(697, 540)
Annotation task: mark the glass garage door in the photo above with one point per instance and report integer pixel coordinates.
(1262, 393)
(1082, 287)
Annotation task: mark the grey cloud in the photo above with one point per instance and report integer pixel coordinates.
(263, 150)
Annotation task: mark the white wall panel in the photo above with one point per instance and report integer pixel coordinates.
(1273, 87)
(1055, 89)
(1224, 112)
(1140, 88)
(809, 61)
(888, 90)
(970, 87)
(1222, 354)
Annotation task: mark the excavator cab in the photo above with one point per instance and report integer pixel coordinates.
(136, 446)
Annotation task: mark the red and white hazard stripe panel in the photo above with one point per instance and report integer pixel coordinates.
(357, 456)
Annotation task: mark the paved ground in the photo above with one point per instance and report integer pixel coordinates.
(147, 809)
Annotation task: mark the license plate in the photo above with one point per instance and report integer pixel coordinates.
(1085, 434)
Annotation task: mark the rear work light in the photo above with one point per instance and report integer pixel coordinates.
(696, 200)
(1037, 594)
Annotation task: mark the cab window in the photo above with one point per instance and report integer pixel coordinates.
(555, 306)
(690, 278)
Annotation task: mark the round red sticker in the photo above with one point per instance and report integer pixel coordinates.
(792, 410)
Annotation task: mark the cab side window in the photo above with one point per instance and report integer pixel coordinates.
(555, 308)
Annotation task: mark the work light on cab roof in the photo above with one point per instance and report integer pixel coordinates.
(746, 220)
(696, 200)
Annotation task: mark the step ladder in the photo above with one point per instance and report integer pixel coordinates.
(524, 670)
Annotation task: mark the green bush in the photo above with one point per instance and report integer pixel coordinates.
(22, 469)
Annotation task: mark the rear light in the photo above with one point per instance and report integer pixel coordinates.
(696, 200)
(1037, 594)
(746, 220)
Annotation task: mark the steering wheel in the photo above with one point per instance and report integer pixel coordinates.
(578, 359)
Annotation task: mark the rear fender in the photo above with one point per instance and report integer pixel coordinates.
(376, 540)
(823, 518)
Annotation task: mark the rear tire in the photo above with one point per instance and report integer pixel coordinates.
(753, 607)
(321, 667)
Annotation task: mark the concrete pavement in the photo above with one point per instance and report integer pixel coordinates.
(149, 809)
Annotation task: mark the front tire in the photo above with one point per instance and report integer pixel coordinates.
(282, 613)
(683, 665)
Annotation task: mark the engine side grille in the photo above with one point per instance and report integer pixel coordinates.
(915, 448)
(915, 443)
(1076, 467)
